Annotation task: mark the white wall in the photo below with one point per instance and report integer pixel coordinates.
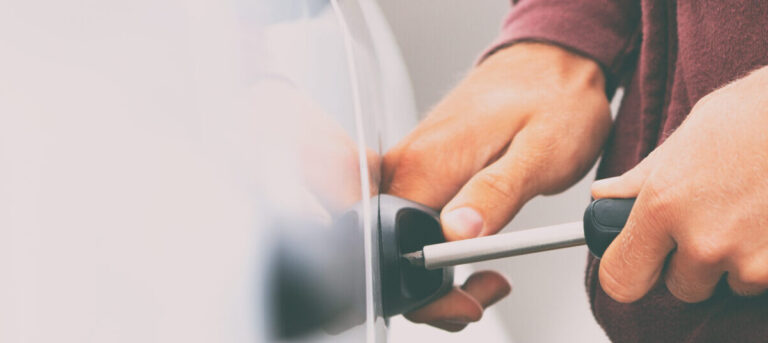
(440, 40)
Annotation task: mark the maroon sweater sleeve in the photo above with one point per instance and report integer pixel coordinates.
(604, 30)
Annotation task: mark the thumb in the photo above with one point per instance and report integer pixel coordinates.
(627, 185)
(490, 199)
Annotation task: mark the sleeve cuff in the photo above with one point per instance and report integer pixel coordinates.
(604, 33)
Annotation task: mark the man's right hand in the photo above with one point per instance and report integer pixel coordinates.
(530, 120)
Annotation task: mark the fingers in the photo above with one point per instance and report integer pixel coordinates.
(745, 289)
(435, 160)
(692, 274)
(485, 204)
(463, 305)
(487, 287)
(634, 261)
(750, 276)
(452, 310)
(490, 199)
(627, 185)
(431, 170)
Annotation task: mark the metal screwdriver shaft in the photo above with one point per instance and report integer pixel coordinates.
(498, 246)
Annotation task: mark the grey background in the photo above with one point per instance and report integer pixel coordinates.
(440, 40)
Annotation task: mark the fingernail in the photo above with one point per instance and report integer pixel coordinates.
(464, 222)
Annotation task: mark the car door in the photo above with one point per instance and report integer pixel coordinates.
(172, 170)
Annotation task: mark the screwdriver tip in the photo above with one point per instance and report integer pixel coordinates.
(415, 258)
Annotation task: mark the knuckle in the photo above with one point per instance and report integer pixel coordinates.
(400, 165)
(684, 290)
(680, 291)
(704, 251)
(388, 166)
(753, 275)
(498, 184)
(408, 156)
(743, 289)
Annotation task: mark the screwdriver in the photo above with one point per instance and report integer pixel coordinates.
(603, 221)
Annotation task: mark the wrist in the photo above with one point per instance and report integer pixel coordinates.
(553, 63)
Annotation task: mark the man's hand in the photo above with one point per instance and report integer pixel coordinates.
(529, 120)
(702, 203)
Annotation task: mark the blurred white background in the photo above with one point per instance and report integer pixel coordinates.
(440, 40)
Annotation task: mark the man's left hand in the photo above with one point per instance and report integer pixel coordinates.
(702, 203)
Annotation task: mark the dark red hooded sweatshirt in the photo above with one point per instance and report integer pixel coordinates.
(667, 54)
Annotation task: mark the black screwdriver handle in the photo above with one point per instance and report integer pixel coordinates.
(603, 221)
